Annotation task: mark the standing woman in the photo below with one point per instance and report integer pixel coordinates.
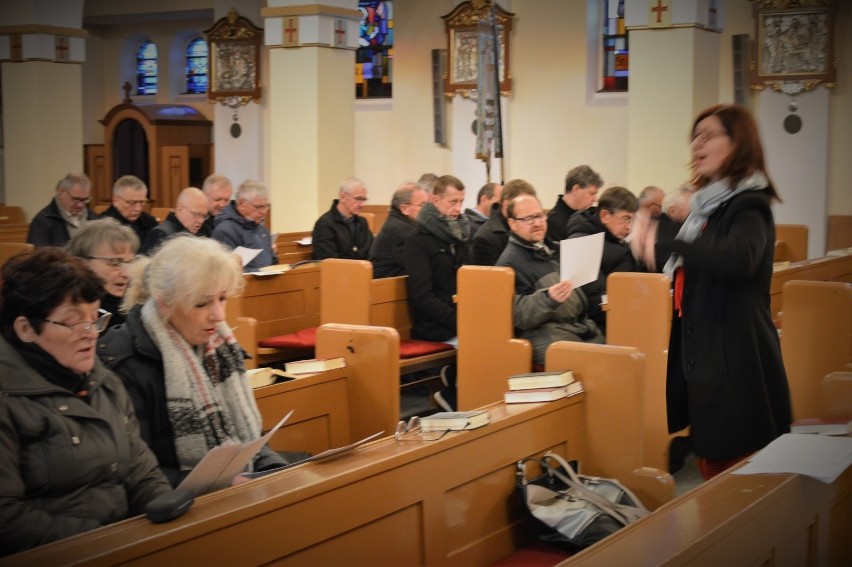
(179, 359)
(71, 458)
(726, 378)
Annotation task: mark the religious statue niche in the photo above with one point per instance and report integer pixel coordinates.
(462, 25)
(234, 47)
(794, 45)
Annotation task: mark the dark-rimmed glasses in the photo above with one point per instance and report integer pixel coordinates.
(111, 262)
(139, 203)
(83, 327)
(542, 216)
(79, 200)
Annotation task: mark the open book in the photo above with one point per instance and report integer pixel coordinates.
(221, 464)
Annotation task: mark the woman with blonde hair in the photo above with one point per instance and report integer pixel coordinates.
(178, 357)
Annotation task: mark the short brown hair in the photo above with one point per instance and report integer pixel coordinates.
(445, 181)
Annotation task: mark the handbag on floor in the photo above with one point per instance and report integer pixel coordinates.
(575, 510)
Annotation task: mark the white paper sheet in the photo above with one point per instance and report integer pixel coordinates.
(221, 464)
(246, 254)
(306, 241)
(580, 258)
(818, 456)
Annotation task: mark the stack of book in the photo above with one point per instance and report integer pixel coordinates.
(454, 420)
(541, 387)
(314, 365)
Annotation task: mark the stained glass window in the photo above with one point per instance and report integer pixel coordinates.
(196, 66)
(146, 68)
(616, 52)
(374, 58)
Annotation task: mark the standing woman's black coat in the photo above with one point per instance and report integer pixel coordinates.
(725, 375)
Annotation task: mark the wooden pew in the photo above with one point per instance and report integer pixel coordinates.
(639, 314)
(488, 351)
(380, 215)
(791, 242)
(447, 502)
(9, 249)
(816, 338)
(14, 232)
(12, 215)
(826, 269)
(839, 232)
(289, 249)
(767, 519)
(836, 394)
(275, 305)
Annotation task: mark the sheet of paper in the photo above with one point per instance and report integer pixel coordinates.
(246, 254)
(274, 238)
(221, 464)
(818, 456)
(580, 258)
(306, 241)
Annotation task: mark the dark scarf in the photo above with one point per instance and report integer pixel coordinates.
(449, 231)
(49, 369)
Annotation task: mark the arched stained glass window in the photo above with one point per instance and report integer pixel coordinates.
(196, 66)
(616, 52)
(374, 58)
(146, 68)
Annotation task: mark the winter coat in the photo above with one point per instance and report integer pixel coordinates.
(141, 226)
(49, 227)
(129, 351)
(160, 232)
(388, 250)
(557, 220)
(475, 219)
(331, 237)
(726, 378)
(490, 240)
(233, 229)
(67, 465)
(537, 317)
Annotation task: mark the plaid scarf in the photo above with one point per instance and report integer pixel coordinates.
(450, 231)
(208, 396)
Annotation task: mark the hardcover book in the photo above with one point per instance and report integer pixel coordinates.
(541, 394)
(532, 380)
(314, 365)
(454, 420)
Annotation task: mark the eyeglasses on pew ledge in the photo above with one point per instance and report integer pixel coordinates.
(411, 431)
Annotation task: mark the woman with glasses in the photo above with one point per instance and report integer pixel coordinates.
(179, 359)
(726, 379)
(71, 457)
(109, 247)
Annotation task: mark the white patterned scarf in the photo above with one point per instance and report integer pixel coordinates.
(704, 203)
(208, 396)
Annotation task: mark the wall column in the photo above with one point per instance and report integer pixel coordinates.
(674, 74)
(311, 106)
(42, 47)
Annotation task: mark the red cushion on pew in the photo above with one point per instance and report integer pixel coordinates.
(409, 348)
(303, 338)
(537, 554)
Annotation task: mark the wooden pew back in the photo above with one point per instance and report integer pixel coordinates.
(791, 242)
(816, 338)
(12, 214)
(836, 394)
(639, 314)
(488, 351)
(289, 249)
(9, 249)
(14, 232)
(826, 269)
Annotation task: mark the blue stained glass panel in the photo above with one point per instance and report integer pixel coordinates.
(146, 69)
(374, 58)
(196, 66)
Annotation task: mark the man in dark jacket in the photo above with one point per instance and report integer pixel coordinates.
(546, 309)
(342, 232)
(129, 197)
(613, 216)
(488, 196)
(491, 238)
(581, 188)
(241, 224)
(219, 191)
(68, 211)
(433, 255)
(388, 250)
(189, 216)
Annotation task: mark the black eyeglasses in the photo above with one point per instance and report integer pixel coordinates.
(139, 203)
(111, 262)
(83, 327)
(79, 200)
(532, 218)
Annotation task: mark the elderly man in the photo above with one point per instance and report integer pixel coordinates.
(129, 197)
(581, 188)
(342, 232)
(218, 190)
(486, 199)
(491, 238)
(68, 211)
(388, 250)
(651, 200)
(433, 254)
(241, 224)
(546, 308)
(189, 215)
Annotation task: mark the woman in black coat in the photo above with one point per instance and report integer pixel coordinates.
(726, 378)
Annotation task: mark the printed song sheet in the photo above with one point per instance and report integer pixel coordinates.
(580, 258)
(818, 456)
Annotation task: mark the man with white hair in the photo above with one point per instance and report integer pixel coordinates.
(218, 190)
(241, 224)
(129, 198)
(68, 210)
(189, 215)
(342, 232)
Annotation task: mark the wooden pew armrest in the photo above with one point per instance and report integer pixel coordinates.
(654, 487)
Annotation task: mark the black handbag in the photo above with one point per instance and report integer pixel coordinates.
(575, 510)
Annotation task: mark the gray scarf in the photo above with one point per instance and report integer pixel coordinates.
(208, 396)
(704, 203)
(449, 231)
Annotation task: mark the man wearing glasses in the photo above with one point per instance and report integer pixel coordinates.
(388, 250)
(342, 232)
(613, 216)
(190, 214)
(129, 197)
(241, 224)
(68, 211)
(546, 308)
